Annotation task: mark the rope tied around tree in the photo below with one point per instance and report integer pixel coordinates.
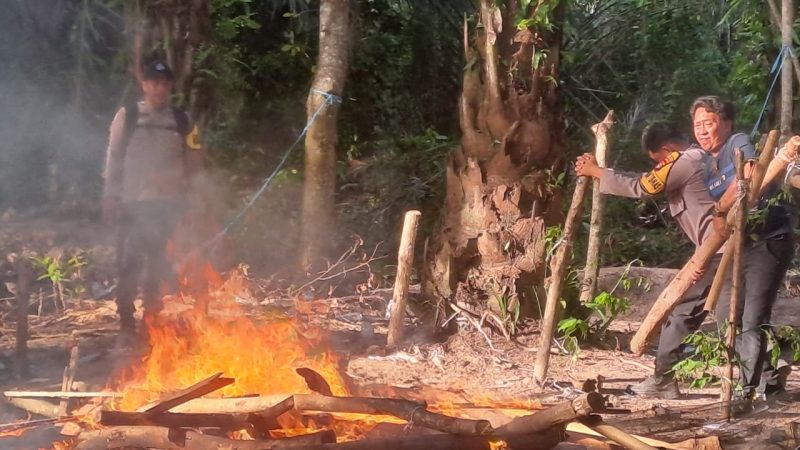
(784, 53)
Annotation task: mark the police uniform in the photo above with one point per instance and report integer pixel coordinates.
(147, 173)
(681, 178)
(768, 251)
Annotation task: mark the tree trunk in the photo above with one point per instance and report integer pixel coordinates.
(322, 138)
(787, 19)
(503, 185)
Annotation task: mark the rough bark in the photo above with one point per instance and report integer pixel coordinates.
(592, 267)
(322, 137)
(787, 20)
(501, 183)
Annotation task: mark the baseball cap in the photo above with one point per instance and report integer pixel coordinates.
(156, 70)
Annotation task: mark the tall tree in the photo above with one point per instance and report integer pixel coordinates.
(503, 182)
(322, 137)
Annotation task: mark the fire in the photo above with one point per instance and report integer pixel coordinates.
(216, 336)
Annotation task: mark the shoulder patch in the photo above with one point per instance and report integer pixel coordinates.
(655, 181)
(193, 139)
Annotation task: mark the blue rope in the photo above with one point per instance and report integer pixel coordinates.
(330, 99)
(785, 52)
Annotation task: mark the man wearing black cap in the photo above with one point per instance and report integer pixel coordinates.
(153, 153)
(679, 173)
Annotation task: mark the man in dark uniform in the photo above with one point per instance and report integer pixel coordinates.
(679, 173)
(153, 153)
(769, 244)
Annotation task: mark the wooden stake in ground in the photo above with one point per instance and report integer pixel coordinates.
(560, 263)
(674, 292)
(24, 274)
(738, 248)
(69, 375)
(592, 267)
(727, 258)
(787, 21)
(405, 261)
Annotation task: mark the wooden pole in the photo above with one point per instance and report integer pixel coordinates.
(592, 268)
(555, 416)
(69, 375)
(405, 262)
(559, 268)
(24, 276)
(727, 258)
(787, 20)
(674, 292)
(738, 248)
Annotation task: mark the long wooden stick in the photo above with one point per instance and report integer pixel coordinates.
(405, 261)
(674, 292)
(60, 394)
(727, 258)
(738, 247)
(592, 267)
(560, 263)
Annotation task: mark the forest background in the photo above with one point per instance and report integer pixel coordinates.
(66, 70)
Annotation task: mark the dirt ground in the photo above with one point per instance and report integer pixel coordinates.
(464, 364)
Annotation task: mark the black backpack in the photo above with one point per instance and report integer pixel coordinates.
(182, 123)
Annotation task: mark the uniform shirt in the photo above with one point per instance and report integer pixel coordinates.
(153, 166)
(681, 177)
(721, 171)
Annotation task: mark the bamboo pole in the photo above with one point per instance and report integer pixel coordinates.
(592, 268)
(674, 292)
(405, 262)
(738, 247)
(560, 263)
(727, 258)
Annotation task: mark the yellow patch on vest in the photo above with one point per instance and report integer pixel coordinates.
(655, 181)
(193, 139)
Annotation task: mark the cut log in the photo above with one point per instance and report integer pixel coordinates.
(405, 262)
(231, 405)
(727, 258)
(561, 261)
(415, 413)
(556, 415)
(622, 438)
(166, 438)
(706, 443)
(674, 292)
(199, 389)
(592, 267)
(34, 406)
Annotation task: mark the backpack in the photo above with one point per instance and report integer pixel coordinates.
(182, 122)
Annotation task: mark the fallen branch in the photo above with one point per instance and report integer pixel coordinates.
(556, 415)
(622, 438)
(34, 406)
(228, 422)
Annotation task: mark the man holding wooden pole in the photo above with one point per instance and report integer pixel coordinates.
(768, 248)
(678, 173)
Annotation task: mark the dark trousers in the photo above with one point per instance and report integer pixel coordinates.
(765, 265)
(144, 229)
(684, 320)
